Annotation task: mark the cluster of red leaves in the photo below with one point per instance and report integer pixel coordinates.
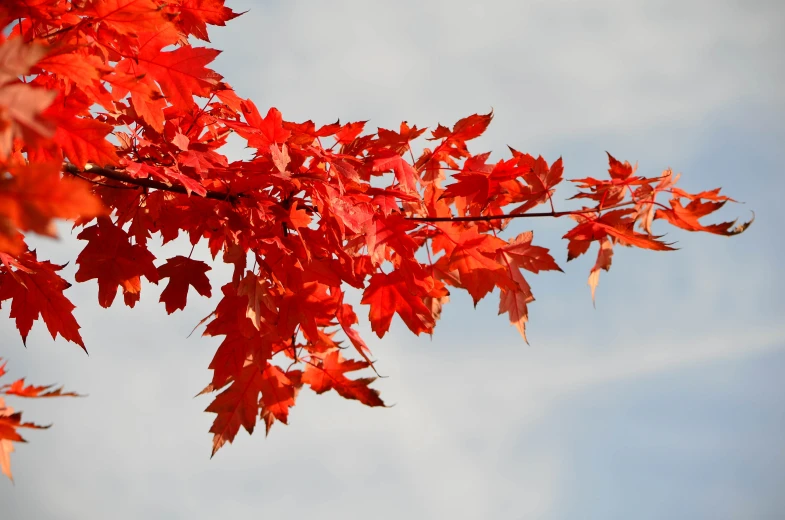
(11, 421)
(317, 209)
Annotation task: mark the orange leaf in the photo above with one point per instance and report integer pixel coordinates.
(474, 259)
(532, 258)
(19, 389)
(687, 217)
(620, 170)
(604, 258)
(617, 224)
(515, 301)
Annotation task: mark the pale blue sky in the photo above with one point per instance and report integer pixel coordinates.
(666, 401)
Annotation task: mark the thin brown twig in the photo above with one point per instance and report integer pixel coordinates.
(487, 218)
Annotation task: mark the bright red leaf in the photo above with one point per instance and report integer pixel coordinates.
(110, 258)
(182, 273)
(388, 294)
(36, 291)
(329, 372)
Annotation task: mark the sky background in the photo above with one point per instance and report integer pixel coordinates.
(666, 401)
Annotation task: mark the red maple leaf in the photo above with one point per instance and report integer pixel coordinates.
(126, 16)
(80, 69)
(182, 273)
(388, 294)
(616, 224)
(278, 394)
(473, 259)
(687, 217)
(194, 15)
(519, 254)
(389, 233)
(541, 180)
(612, 192)
(404, 172)
(349, 132)
(260, 132)
(181, 73)
(110, 258)
(35, 290)
(530, 257)
(465, 129)
(514, 301)
(236, 406)
(329, 372)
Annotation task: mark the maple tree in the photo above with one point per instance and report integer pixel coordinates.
(110, 117)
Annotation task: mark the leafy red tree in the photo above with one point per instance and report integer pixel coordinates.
(110, 117)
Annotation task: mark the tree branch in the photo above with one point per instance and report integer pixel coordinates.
(144, 183)
(487, 218)
(217, 195)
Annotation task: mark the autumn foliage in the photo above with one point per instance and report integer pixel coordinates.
(110, 117)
